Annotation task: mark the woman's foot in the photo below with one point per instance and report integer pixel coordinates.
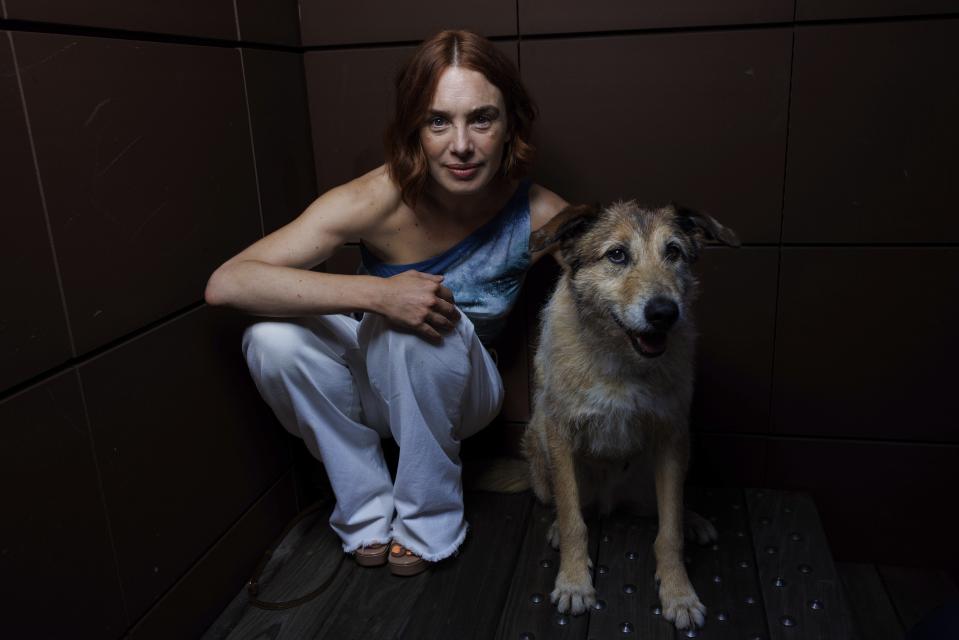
(372, 555)
(404, 562)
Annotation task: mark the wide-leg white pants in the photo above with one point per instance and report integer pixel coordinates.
(341, 385)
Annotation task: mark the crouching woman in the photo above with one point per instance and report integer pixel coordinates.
(443, 227)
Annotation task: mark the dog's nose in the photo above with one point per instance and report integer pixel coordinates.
(661, 312)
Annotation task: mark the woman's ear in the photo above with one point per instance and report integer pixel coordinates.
(568, 223)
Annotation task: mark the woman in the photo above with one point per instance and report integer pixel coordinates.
(444, 228)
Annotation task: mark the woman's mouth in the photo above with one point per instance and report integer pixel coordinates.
(463, 171)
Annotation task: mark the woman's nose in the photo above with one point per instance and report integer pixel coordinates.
(462, 143)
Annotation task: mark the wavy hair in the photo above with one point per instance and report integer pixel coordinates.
(415, 84)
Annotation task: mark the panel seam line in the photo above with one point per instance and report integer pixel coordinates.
(103, 497)
(249, 121)
(43, 197)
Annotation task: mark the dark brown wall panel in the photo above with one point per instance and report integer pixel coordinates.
(736, 316)
(33, 328)
(210, 18)
(194, 603)
(873, 133)
(866, 343)
(351, 102)
(272, 21)
(145, 158)
(695, 117)
(725, 460)
(879, 502)
(60, 576)
(563, 16)
(513, 363)
(388, 21)
(832, 9)
(281, 124)
(345, 260)
(184, 444)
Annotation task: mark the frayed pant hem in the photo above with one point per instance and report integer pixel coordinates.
(350, 548)
(449, 551)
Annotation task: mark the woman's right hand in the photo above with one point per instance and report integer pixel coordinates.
(418, 302)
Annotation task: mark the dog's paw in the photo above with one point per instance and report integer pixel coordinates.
(573, 596)
(699, 528)
(682, 607)
(552, 536)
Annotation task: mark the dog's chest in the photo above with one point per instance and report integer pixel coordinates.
(620, 398)
(611, 400)
(615, 418)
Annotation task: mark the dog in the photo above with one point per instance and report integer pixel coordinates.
(613, 384)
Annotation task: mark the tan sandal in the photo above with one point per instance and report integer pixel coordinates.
(404, 562)
(372, 555)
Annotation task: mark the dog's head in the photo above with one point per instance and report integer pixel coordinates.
(628, 266)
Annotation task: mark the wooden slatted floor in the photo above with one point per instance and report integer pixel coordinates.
(770, 576)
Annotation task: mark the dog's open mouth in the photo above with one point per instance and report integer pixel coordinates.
(648, 343)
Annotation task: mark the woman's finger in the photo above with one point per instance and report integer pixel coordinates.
(429, 333)
(447, 309)
(446, 294)
(439, 322)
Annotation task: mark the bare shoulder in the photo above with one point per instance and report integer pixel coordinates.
(350, 210)
(543, 205)
(346, 213)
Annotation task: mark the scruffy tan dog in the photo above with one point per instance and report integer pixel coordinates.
(614, 379)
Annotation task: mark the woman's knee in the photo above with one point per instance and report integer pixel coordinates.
(280, 348)
(271, 347)
(299, 355)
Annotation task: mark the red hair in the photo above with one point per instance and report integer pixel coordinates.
(415, 84)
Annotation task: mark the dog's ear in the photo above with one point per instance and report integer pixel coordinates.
(569, 222)
(699, 225)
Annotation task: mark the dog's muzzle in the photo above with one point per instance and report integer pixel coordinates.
(661, 314)
(649, 344)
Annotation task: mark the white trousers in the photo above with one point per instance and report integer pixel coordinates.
(341, 385)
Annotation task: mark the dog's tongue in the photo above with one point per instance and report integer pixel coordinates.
(652, 343)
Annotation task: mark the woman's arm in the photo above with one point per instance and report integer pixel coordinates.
(272, 278)
(543, 205)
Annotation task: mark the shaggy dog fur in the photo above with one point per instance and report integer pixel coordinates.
(614, 379)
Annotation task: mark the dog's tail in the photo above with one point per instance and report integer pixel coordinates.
(499, 475)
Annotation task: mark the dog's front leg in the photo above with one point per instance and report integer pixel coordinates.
(680, 603)
(574, 590)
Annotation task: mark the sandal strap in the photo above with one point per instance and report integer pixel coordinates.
(372, 549)
(398, 550)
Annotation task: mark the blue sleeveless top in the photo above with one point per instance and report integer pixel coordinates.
(485, 270)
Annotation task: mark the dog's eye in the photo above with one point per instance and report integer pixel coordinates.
(617, 255)
(673, 252)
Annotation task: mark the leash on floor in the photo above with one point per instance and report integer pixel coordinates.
(253, 586)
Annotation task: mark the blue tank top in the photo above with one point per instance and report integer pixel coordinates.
(485, 270)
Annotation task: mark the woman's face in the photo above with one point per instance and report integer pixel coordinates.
(465, 131)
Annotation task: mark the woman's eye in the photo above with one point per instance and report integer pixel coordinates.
(483, 122)
(673, 252)
(617, 255)
(437, 122)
